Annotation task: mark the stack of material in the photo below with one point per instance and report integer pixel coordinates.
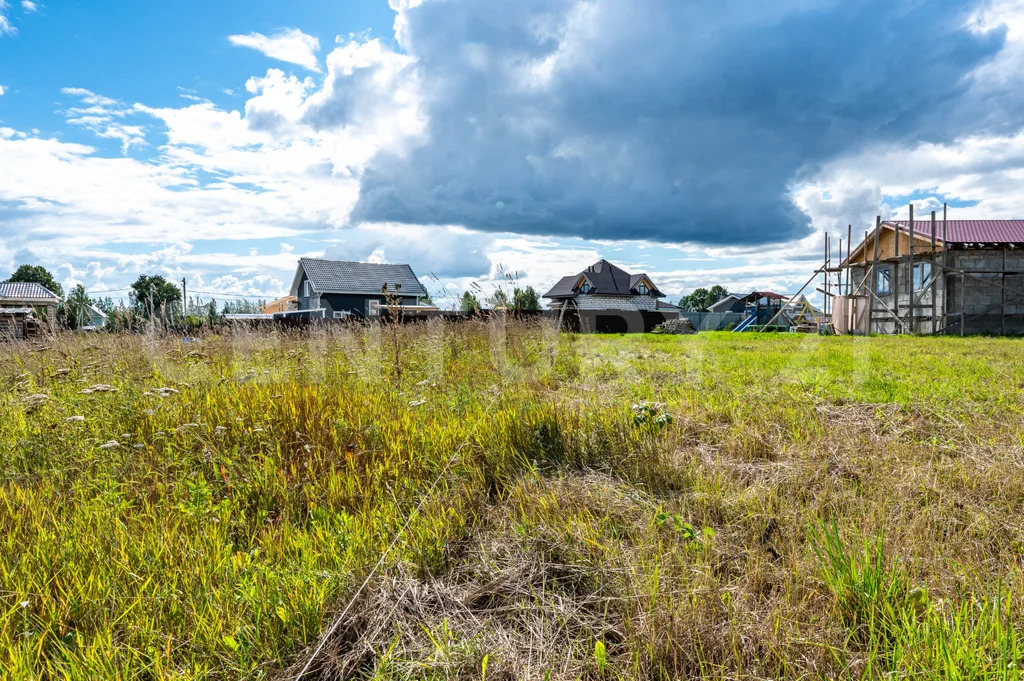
(676, 326)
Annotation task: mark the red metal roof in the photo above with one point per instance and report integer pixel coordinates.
(968, 231)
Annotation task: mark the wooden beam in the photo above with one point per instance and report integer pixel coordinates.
(945, 270)
(933, 275)
(849, 246)
(910, 288)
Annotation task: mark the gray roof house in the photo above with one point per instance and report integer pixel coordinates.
(23, 294)
(604, 286)
(343, 288)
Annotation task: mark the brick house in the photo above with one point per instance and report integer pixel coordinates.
(604, 286)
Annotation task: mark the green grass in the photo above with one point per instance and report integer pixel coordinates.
(613, 507)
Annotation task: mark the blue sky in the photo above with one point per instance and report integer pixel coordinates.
(702, 142)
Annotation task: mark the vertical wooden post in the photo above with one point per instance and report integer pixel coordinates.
(874, 275)
(933, 274)
(945, 266)
(963, 300)
(910, 286)
(849, 246)
(828, 280)
(839, 290)
(895, 283)
(1002, 298)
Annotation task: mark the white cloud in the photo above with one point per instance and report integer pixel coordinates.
(288, 44)
(3, 90)
(29, 6)
(103, 116)
(6, 28)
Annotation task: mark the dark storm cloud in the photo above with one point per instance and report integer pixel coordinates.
(660, 119)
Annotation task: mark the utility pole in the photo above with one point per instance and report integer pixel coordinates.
(184, 298)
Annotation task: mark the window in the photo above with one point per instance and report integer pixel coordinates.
(642, 289)
(306, 289)
(585, 287)
(922, 275)
(341, 314)
(883, 280)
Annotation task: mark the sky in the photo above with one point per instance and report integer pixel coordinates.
(703, 142)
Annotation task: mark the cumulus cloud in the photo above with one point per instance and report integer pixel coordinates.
(29, 6)
(287, 44)
(3, 90)
(662, 120)
(440, 251)
(537, 135)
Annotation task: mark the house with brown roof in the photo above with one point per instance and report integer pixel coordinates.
(604, 286)
(936, 276)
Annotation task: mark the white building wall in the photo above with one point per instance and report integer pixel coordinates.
(597, 301)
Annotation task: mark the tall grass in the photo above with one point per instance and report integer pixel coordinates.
(605, 507)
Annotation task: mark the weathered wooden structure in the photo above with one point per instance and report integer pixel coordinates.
(931, 276)
(17, 323)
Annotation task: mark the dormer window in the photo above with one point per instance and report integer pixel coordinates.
(642, 289)
(585, 287)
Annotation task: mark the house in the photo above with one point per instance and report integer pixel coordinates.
(342, 288)
(29, 295)
(281, 305)
(95, 318)
(935, 276)
(604, 286)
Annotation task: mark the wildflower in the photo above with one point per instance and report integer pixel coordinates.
(74, 419)
(160, 392)
(98, 388)
(140, 446)
(185, 426)
(110, 445)
(35, 400)
(417, 403)
(219, 430)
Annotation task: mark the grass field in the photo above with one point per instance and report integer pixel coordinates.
(619, 507)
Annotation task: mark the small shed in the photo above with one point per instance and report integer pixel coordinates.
(24, 294)
(17, 323)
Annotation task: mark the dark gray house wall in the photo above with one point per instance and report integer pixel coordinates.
(353, 303)
(306, 302)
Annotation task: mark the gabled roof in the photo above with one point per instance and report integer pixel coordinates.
(346, 276)
(24, 290)
(605, 278)
(956, 231)
(967, 231)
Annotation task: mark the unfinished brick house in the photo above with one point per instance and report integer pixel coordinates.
(935, 276)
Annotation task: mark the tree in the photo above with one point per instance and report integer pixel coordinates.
(525, 299)
(701, 299)
(716, 293)
(498, 300)
(153, 292)
(39, 275)
(469, 303)
(75, 310)
(427, 299)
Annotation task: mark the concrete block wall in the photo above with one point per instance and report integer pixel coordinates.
(597, 301)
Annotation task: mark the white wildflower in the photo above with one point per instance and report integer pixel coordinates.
(110, 445)
(417, 403)
(74, 419)
(35, 400)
